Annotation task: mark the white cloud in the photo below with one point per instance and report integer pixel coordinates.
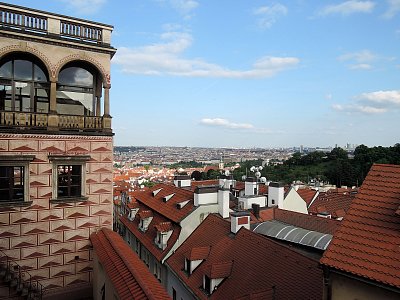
(268, 15)
(372, 103)
(218, 122)
(382, 97)
(360, 56)
(360, 67)
(348, 7)
(226, 124)
(393, 9)
(184, 6)
(360, 60)
(358, 108)
(85, 6)
(166, 58)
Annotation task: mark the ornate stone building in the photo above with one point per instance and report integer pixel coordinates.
(56, 148)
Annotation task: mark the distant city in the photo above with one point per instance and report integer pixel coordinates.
(165, 156)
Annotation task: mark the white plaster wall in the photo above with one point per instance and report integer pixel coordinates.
(208, 198)
(190, 223)
(294, 202)
(247, 202)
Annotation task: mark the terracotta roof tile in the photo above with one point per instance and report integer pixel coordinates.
(219, 270)
(163, 226)
(368, 241)
(198, 253)
(257, 264)
(307, 195)
(147, 238)
(128, 274)
(144, 214)
(309, 222)
(168, 209)
(331, 201)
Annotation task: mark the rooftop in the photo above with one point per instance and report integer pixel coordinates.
(128, 274)
(368, 242)
(254, 265)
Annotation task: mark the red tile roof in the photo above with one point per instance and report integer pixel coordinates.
(331, 202)
(203, 182)
(168, 209)
(310, 222)
(258, 264)
(144, 214)
(307, 195)
(163, 226)
(147, 238)
(128, 274)
(219, 270)
(368, 241)
(198, 253)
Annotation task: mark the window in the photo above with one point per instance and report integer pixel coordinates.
(69, 179)
(24, 85)
(69, 176)
(14, 178)
(11, 183)
(76, 91)
(207, 284)
(173, 294)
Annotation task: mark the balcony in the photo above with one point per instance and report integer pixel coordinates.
(39, 122)
(35, 22)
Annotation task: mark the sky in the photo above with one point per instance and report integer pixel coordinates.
(250, 73)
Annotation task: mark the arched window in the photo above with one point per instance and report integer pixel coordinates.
(76, 90)
(24, 84)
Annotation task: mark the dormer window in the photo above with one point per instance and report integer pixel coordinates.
(195, 257)
(168, 197)
(164, 232)
(215, 275)
(181, 205)
(146, 216)
(155, 192)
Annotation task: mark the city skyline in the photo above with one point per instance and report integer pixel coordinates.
(250, 74)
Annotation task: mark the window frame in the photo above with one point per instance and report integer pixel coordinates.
(62, 160)
(18, 161)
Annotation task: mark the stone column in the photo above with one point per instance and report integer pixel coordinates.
(52, 122)
(106, 113)
(107, 101)
(97, 106)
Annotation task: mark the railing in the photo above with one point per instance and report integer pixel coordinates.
(81, 32)
(27, 120)
(18, 279)
(23, 119)
(16, 18)
(23, 21)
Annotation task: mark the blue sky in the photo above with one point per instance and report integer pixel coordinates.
(250, 73)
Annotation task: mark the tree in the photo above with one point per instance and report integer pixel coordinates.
(196, 175)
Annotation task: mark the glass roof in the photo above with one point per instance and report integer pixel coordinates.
(294, 234)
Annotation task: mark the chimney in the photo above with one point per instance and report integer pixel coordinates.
(250, 187)
(223, 202)
(240, 219)
(226, 181)
(256, 210)
(276, 194)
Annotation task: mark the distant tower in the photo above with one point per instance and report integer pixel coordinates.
(301, 149)
(221, 163)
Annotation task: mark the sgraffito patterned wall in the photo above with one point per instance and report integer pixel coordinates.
(51, 240)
